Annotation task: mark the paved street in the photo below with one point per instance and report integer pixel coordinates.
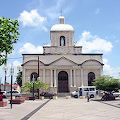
(63, 109)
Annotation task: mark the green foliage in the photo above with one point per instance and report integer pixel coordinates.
(27, 87)
(46, 86)
(37, 85)
(19, 78)
(8, 35)
(107, 83)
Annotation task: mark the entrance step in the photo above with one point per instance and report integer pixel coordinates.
(63, 94)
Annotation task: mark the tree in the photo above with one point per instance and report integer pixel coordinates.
(107, 83)
(8, 36)
(19, 78)
(28, 86)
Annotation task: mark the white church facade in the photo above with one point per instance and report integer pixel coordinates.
(62, 65)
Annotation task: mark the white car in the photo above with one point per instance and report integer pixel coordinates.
(14, 93)
(116, 94)
(84, 90)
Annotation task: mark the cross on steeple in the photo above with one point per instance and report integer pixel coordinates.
(61, 12)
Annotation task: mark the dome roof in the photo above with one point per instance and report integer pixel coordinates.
(62, 27)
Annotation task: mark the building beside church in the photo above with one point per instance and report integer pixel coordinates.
(62, 65)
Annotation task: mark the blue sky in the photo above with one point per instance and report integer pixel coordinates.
(96, 24)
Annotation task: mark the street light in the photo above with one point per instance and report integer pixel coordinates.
(5, 68)
(38, 91)
(33, 79)
(0, 81)
(11, 74)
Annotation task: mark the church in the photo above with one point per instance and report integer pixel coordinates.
(62, 65)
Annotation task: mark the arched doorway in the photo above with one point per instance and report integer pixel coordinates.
(91, 77)
(35, 76)
(63, 82)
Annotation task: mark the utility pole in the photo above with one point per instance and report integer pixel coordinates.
(38, 77)
(38, 66)
(33, 79)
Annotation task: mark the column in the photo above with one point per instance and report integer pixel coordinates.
(55, 78)
(71, 79)
(51, 74)
(23, 77)
(82, 76)
(74, 78)
(28, 78)
(43, 75)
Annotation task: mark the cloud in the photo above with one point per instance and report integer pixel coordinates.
(94, 44)
(32, 19)
(17, 67)
(97, 11)
(30, 48)
(110, 70)
(16, 63)
(107, 69)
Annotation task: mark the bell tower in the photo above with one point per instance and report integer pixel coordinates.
(62, 34)
(62, 39)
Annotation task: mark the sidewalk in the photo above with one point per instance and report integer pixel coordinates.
(19, 110)
(63, 109)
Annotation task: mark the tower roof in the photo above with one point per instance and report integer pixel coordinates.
(62, 26)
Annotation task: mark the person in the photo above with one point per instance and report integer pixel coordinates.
(88, 97)
(80, 92)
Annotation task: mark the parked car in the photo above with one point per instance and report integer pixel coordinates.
(116, 94)
(107, 96)
(47, 95)
(14, 93)
(84, 90)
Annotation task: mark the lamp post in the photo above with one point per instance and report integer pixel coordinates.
(33, 79)
(11, 74)
(5, 68)
(38, 78)
(0, 81)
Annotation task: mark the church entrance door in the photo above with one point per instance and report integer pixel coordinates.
(63, 82)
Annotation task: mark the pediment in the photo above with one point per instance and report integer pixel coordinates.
(91, 63)
(33, 62)
(63, 61)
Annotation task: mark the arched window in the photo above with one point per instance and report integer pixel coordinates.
(35, 75)
(62, 41)
(91, 77)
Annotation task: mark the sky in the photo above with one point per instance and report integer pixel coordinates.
(96, 24)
